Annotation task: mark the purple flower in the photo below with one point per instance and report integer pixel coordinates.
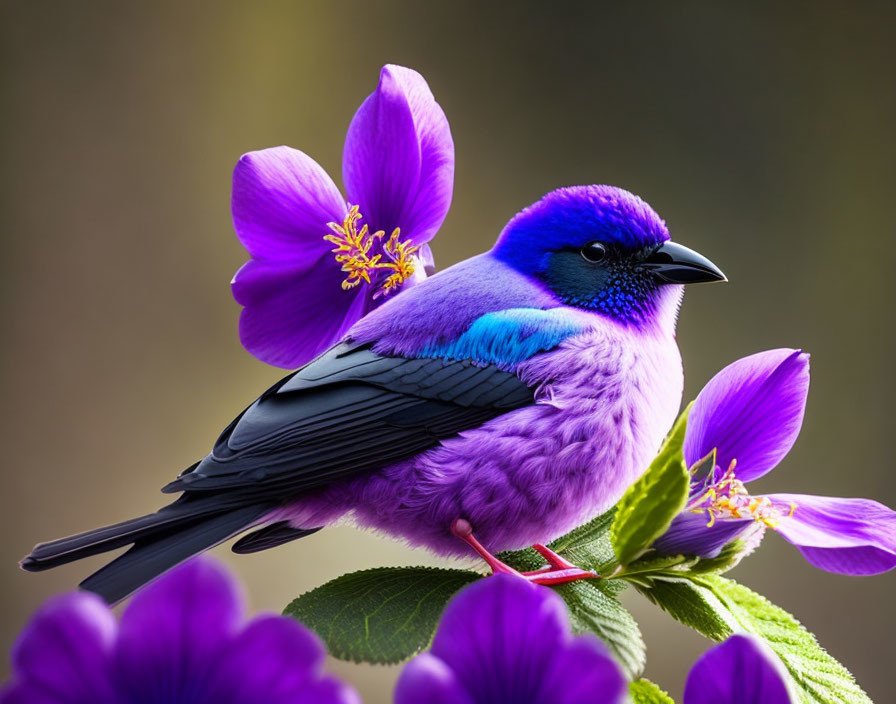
(503, 639)
(180, 640)
(320, 261)
(743, 423)
(742, 670)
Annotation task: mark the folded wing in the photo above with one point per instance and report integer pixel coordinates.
(350, 411)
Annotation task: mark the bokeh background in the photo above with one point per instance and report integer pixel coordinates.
(764, 134)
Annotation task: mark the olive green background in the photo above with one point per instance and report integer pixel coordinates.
(764, 134)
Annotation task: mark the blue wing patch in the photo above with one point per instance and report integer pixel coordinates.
(508, 337)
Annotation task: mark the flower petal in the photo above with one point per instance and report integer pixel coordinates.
(691, 534)
(742, 670)
(24, 693)
(293, 312)
(584, 672)
(398, 161)
(499, 636)
(848, 536)
(173, 631)
(281, 204)
(426, 678)
(750, 411)
(62, 655)
(274, 659)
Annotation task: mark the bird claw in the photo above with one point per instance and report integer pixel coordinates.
(559, 570)
(549, 577)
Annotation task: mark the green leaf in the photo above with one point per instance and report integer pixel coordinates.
(589, 545)
(653, 564)
(593, 609)
(692, 604)
(821, 677)
(384, 615)
(718, 607)
(646, 692)
(645, 511)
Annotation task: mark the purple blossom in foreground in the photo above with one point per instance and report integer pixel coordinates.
(742, 670)
(750, 415)
(320, 261)
(182, 640)
(504, 640)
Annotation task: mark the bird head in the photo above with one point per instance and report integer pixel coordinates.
(602, 249)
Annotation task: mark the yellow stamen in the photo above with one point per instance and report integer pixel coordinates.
(729, 498)
(353, 252)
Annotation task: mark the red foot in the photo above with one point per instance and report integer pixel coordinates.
(558, 570)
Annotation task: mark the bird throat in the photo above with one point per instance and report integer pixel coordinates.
(615, 290)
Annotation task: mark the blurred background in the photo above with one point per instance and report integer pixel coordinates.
(765, 135)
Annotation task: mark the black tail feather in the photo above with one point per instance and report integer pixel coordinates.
(181, 513)
(160, 540)
(270, 536)
(150, 557)
(60, 552)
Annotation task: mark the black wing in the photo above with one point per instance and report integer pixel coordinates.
(347, 412)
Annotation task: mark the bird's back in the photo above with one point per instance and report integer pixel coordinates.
(439, 310)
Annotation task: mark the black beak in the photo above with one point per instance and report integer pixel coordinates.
(676, 264)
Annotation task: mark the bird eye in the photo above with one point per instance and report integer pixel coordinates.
(594, 252)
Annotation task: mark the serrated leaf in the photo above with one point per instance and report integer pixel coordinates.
(692, 604)
(822, 679)
(652, 564)
(384, 615)
(593, 610)
(718, 607)
(589, 545)
(645, 511)
(646, 692)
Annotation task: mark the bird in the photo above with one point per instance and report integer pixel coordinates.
(495, 405)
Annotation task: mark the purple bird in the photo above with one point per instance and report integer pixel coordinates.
(510, 397)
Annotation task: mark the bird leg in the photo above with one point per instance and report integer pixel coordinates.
(553, 559)
(558, 570)
(463, 530)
